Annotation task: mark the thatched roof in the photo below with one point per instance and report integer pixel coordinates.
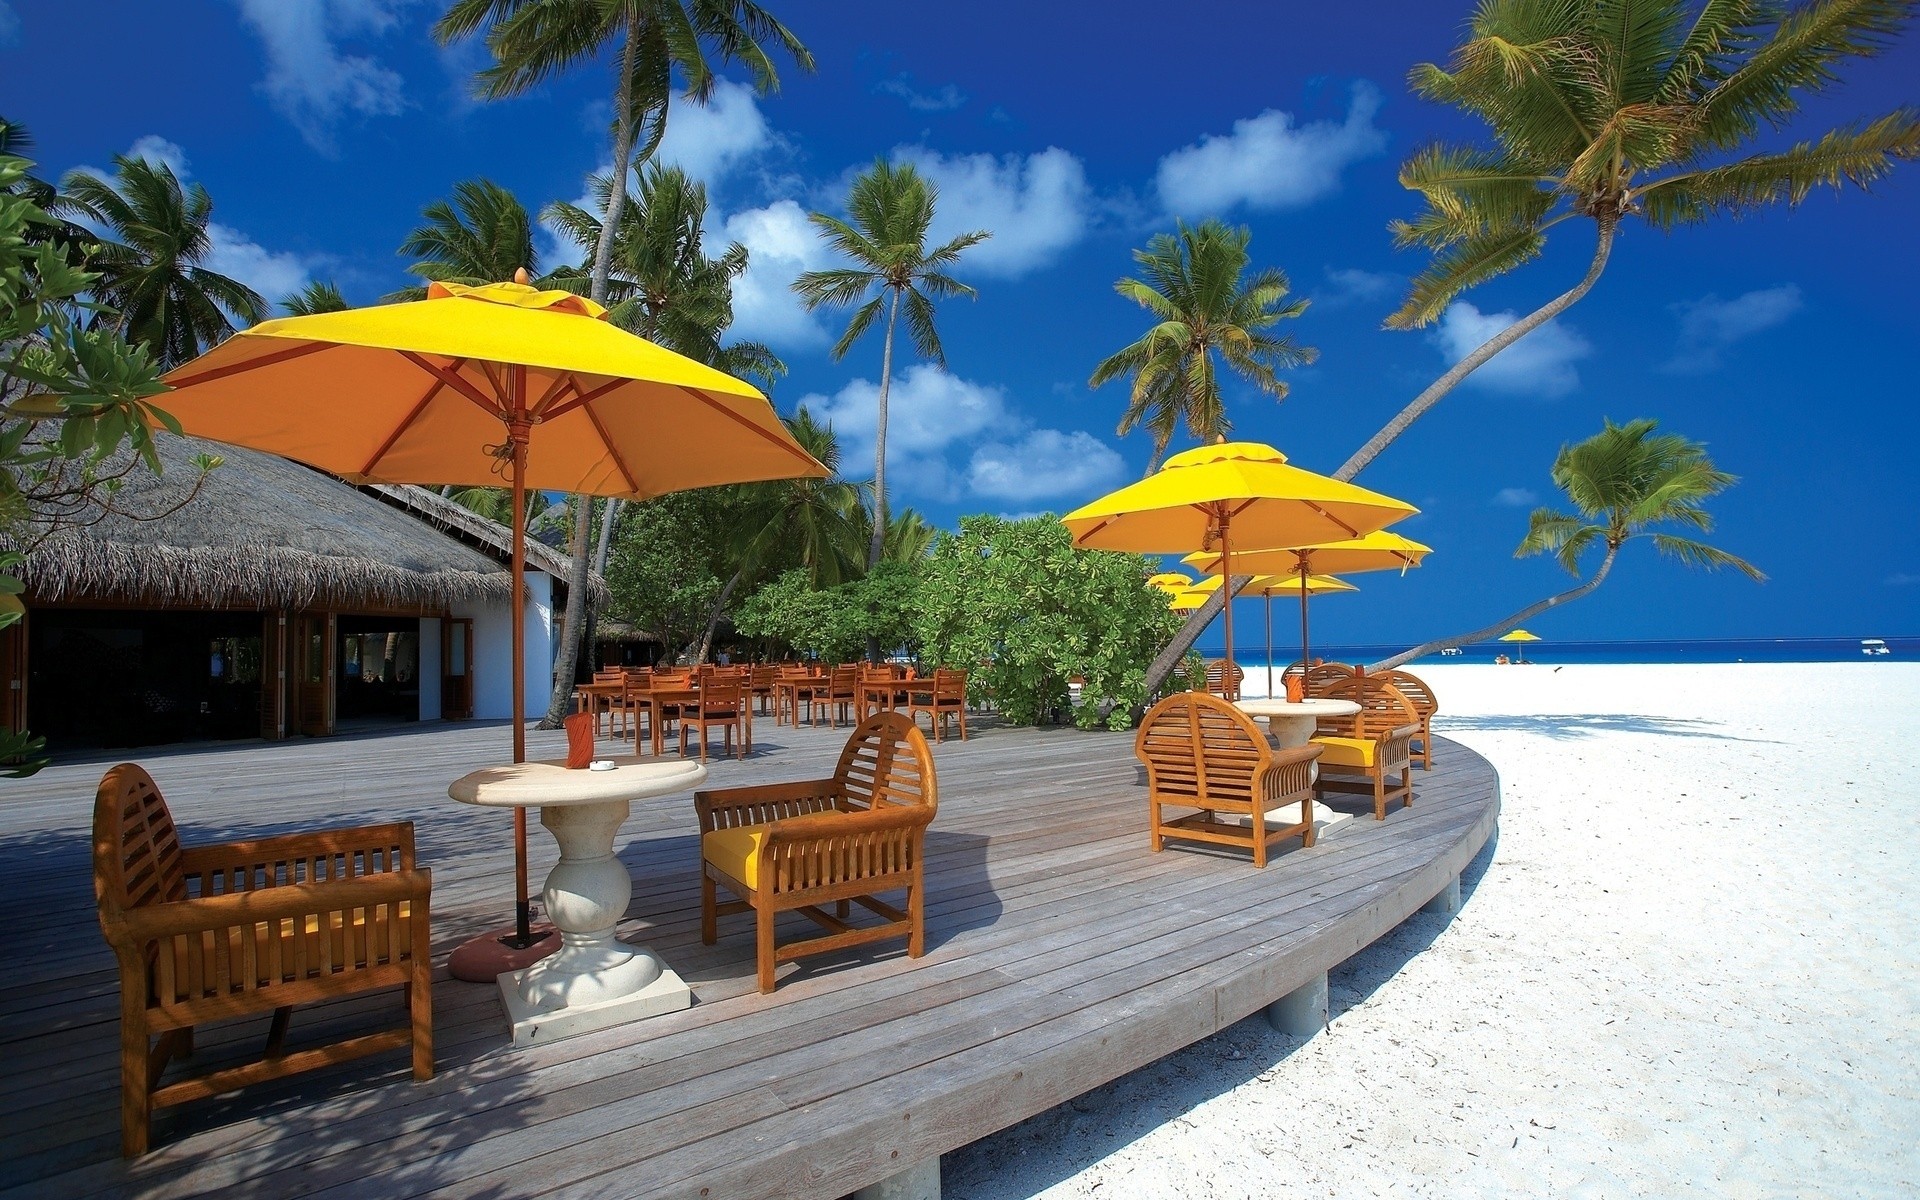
(432, 507)
(265, 532)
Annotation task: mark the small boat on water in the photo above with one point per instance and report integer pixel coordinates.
(1873, 646)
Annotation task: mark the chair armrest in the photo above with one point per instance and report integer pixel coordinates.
(814, 826)
(1291, 772)
(383, 848)
(726, 808)
(211, 913)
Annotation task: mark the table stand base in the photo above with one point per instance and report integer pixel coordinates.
(535, 1027)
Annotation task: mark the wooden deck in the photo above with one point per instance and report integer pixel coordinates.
(1061, 954)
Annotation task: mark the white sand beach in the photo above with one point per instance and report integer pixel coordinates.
(1689, 965)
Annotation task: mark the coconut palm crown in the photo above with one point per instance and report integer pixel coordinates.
(1609, 109)
(1193, 283)
(481, 235)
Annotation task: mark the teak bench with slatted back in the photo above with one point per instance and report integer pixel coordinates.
(1205, 755)
(209, 933)
(1369, 753)
(793, 847)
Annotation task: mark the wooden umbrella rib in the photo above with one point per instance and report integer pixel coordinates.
(491, 406)
(265, 360)
(407, 423)
(555, 390)
(633, 485)
(583, 398)
(1351, 531)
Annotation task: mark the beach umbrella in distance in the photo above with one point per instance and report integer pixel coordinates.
(1269, 586)
(1186, 601)
(1213, 497)
(1521, 636)
(1378, 551)
(1172, 582)
(490, 385)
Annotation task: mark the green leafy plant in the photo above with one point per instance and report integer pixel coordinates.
(836, 623)
(1016, 604)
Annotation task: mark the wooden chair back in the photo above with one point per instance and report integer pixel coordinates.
(1384, 708)
(1218, 682)
(1319, 678)
(949, 687)
(136, 850)
(886, 761)
(762, 678)
(1201, 750)
(844, 682)
(722, 695)
(1415, 689)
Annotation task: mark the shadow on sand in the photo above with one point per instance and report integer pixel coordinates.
(1566, 727)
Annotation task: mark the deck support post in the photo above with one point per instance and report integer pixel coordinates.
(1302, 1012)
(921, 1181)
(1447, 901)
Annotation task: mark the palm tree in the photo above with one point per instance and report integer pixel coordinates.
(1601, 112)
(1194, 287)
(152, 274)
(533, 40)
(891, 207)
(1622, 482)
(482, 235)
(316, 297)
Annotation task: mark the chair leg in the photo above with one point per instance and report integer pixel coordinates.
(963, 722)
(763, 947)
(277, 1031)
(1379, 794)
(709, 918)
(916, 916)
(420, 1017)
(136, 1088)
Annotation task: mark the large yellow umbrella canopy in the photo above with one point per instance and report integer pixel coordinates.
(1227, 494)
(1186, 601)
(500, 384)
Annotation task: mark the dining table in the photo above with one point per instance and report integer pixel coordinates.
(1291, 722)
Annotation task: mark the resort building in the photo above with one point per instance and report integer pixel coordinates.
(276, 601)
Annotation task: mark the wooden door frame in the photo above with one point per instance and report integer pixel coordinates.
(450, 711)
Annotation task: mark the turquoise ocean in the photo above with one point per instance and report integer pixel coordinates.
(1252, 652)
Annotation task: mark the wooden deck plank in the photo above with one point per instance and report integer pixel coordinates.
(1060, 951)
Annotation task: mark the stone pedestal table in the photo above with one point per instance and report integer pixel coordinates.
(1291, 724)
(594, 980)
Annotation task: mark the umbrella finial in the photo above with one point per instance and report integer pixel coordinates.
(520, 275)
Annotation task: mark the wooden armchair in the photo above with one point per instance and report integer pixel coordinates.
(1222, 684)
(1362, 751)
(942, 698)
(1321, 676)
(794, 847)
(1204, 754)
(724, 700)
(1425, 704)
(211, 933)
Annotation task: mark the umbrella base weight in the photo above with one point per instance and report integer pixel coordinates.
(492, 955)
(534, 1025)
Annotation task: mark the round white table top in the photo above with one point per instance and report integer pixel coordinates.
(550, 782)
(1302, 708)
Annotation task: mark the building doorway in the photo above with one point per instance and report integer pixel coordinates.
(379, 674)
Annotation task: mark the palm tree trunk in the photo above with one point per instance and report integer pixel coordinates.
(877, 546)
(714, 614)
(608, 518)
(1438, 389)
(1500, 627)
(573, 626)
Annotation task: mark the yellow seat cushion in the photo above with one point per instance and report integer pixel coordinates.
(1346, 751)
(736, 851)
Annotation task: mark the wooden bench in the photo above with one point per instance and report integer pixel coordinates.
(1204, 754)
(210, 933)
(1365, 750)
(792, 847)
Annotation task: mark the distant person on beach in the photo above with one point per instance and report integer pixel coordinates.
(1501, 660)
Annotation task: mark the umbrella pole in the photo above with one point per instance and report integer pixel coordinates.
(1305, 663)
(1269, 595)
(1226, 589)
(518, 430)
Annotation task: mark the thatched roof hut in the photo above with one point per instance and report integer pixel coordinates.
(265, 532)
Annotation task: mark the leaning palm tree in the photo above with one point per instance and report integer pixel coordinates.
(886, 240)
(154, 240)
(1623, 482)
(483, 234)
(1608, 112)
(316, 297)
(1193, 283)
(534, 40)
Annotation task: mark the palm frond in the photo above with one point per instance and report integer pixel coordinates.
(1699, 554)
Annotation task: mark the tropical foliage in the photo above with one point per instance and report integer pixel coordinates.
(483, 234)
(316, 297)
(1625, 482)
(835, 624)
(890, 207)
(151, 276)
(1193, 284)
(1026, 612)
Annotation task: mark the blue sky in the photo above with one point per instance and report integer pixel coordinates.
(1789, 342)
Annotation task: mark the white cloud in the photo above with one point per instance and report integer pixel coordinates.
(9, 25)
(943, 99)
(1350, 285)
(1902, 579)
(275, 275)
(155, 149)
(308, 79)
(1709, 325)
(932, 415)
(1044, 463)
(1516, 497)
(1539, 364)
(1269, 161)
(781, 243)
(708, 140)
(1035, 206)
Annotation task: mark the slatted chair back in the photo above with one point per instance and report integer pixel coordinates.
(1220, 684)
(949, 687)
(1201, 750)
(761, 678)
(136, 850)
(844, 682)
(886, 761)
(1384, 708)
(638, 676)
(1416, 691)
(1323, 675)
(722, 695)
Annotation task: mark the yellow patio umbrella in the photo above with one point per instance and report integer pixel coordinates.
(1269, 586)
(1227, 493)
(1186, 601)
(500, 384)
(1378, 551)
(1521, 636)
(1170, 581)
